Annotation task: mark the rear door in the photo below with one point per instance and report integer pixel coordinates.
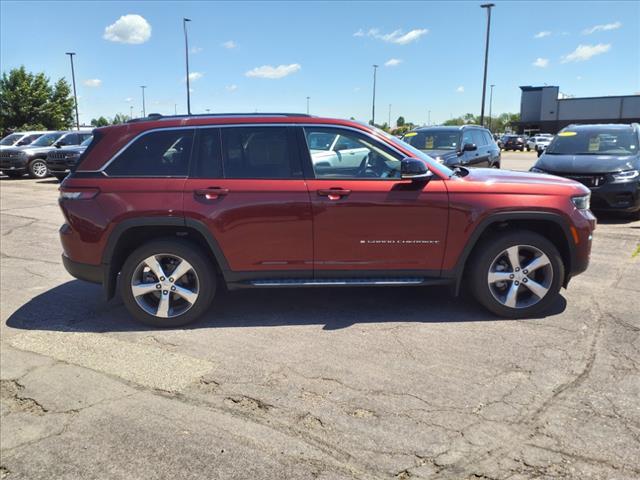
(482, 155)
(367, 220)
(246, 187)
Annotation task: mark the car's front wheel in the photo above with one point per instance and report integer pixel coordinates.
(516, 274)
(167, 283)
(38, 168)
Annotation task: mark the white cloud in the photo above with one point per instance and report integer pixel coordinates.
(193, 76)
(585, 52)
(460, 89)
(93, 82)
(542, 34)
(229, 44)
(128, 99)
(602, 28)
(128, 29)
(268, 71)
(397, 36)
(231, 88)
(541, 62)
(393, 62)
(195, 50)
(579, 77)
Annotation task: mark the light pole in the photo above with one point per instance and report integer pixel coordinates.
(488, 6)
(389, 124)
(144, 110)
(75, 96)
(373, 105)
(175, 109)
(428, 117)
(308, 105)
(490, 107)
(130, 112)
(186, 55)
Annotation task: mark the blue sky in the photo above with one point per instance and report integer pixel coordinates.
(324, 50)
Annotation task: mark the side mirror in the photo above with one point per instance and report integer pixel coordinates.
(469, 147)
(414, 169)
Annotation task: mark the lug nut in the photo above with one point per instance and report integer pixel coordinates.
(173, 289)
(511, 276)
(526, 272)
(171, 279)
(517, 269)
(517, 282)
(524, 280)
(162, 279)
(158, 286)
(165, 292)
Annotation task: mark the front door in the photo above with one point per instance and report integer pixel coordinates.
(368, 221)
(246, 186)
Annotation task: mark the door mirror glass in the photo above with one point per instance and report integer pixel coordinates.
(469, 147)
(414, 169)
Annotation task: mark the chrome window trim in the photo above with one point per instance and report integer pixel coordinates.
(235, 125)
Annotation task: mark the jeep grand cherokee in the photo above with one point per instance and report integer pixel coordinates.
(167, 209)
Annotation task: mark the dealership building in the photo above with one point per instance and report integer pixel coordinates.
(542, 110)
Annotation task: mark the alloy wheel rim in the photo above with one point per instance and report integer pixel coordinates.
(165, 285)
(40, 169)
(520, 276)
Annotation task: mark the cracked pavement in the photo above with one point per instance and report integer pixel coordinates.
(330, 384)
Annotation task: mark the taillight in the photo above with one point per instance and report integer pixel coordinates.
(78, 193)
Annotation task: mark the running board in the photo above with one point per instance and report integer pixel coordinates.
(339, 282)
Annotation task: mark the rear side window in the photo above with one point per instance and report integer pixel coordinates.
(157, 154)
(259, 152)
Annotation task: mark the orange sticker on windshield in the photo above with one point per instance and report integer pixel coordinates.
(567, 134)
(594, 144)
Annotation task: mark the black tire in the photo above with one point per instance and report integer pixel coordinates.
(14, 174)
(188, 251)
(60, 176)
(35, 169)
(528, 148)
(483, 258)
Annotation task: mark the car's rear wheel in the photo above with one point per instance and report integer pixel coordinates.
(516, 274)
(38, 168)
(167, 283)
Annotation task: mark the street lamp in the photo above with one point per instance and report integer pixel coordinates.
(130, 112)
(428, 117)
(373, 105)
(186, 54)
(488, 6)
(75, 96)
(144, 110)
(389, 124)
(490, 106)
(308, 105)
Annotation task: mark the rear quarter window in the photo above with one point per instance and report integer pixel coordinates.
(156, 154)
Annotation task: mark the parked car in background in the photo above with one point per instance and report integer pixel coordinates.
(20, 139)
(62, 161)
(168, 208)
(466, 145)
(538, 142)
(605, 158)
(334, 150)
(514, 142)
(32, 159)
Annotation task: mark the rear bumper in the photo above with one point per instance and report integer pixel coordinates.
(84, 271)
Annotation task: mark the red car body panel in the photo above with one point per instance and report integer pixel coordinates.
(295, 226)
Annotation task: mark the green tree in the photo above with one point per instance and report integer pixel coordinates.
(400, 122)
(119, 118)
(100, 122)
(29, 101)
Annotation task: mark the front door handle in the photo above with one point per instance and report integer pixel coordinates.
(211, 193)
(334, 193)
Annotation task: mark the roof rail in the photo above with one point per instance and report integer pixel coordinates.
(158, 116)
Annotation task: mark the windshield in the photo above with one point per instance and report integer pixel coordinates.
(11, 139)
(46, 140)
(594, 142)
(87, 141)
(433, 140)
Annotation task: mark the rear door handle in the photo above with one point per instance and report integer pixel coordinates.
(211, 193)
(334, 193)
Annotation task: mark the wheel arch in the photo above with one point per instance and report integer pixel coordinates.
(131, 233)
(548, 224)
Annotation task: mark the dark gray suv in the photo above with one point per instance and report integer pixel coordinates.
(466, 145)
(32, 159)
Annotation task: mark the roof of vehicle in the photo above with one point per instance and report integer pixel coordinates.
(598, 126)
(447, 127)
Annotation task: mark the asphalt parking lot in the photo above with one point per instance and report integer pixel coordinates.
(333, 383)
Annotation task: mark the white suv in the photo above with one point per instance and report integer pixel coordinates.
(334, 150)
(539, 142)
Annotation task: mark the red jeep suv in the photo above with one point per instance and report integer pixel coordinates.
(168, 209)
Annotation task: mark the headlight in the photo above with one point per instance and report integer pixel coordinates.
(582, 202)
(626, 176)
(536, 170)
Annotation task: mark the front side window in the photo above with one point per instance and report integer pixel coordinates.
(46, 140)
(478, 138)
(467, 137)
(68, 139)
(11, 139)
(259, 152)
(361, 157)
(163, 153)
